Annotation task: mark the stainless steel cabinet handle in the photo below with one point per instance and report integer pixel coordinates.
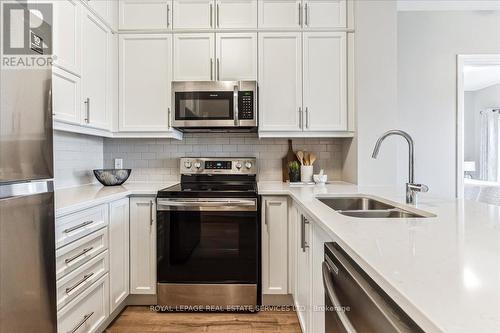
(168, 14)
(211, 68)
(307, 117)
(300, 117)
(306, 8)
(85, 278)
(87, 107)
(330, 291)
(300, 14)
(303, 243)
(83, 321)
(76, 227)
(211, 16)
(217, 15)
(169, 115)
(76, 256)
(151, 212)
(218, 69)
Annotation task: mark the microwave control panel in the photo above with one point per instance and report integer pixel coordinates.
(245, 105)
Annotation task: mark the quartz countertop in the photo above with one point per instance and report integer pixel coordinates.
(444, 271)
(72, 199)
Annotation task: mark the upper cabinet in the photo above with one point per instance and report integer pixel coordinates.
(194, 57)
(236, 14)
(236, 55)
(145, 15)
(95, 72)
(194, 14)
(145, 107)
(67, 35)
(297, 14)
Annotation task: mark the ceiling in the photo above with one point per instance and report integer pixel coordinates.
(480, 77)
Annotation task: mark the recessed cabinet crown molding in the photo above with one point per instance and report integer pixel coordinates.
(145, 107)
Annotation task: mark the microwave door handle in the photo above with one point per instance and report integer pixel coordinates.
(235, 106)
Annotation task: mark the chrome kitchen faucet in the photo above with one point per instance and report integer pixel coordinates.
(411, 187)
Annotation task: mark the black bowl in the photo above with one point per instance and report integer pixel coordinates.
(112, 177)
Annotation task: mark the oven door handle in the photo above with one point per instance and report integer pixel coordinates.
(207, 204)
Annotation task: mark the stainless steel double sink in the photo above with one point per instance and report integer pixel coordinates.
(366, 207)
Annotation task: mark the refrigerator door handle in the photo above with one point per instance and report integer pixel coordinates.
(25, 189)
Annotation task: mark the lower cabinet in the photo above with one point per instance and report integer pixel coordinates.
(302, 296)
(118, 252)
(274, 245)
(142, 245)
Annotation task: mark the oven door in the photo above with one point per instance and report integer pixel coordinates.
(210, 240)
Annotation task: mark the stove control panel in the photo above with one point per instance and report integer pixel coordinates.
(218, 165)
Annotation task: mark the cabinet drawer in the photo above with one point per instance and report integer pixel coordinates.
(74, 226)
(87, 311)
(72, 256)
(81, 278)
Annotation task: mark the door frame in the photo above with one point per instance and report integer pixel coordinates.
(462, 61)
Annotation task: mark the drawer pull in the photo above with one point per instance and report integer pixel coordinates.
(76, 227)
(85, 318)
(76, 256)
(85, 278)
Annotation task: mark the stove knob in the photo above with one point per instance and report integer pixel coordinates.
(197, 165)
(248, 165)
(187, 164)
(238, 165)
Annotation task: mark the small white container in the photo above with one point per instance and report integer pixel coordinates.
(306, 173)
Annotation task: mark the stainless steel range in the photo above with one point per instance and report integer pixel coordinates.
(208, 248)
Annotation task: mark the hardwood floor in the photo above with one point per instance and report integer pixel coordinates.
(139, 319)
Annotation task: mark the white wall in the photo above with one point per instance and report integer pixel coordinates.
(428, 44)
(376, 91)
(75, 156)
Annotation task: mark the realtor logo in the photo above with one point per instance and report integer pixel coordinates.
(27, 34)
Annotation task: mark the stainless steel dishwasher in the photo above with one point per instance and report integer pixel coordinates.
(354, 303)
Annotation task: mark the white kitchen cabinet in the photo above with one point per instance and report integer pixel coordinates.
(67, 35)
(324, 14)
(325, 81)
(145, 14)
(275, 245)
(303, 289)
(142, 245)
(280, 14)
(236, 55)
(118, 252)
(236, 14)
(319, 238)
(193, 14)
(66, 101)
(101, 8)
(280, 81)
(194, 57)
(95, 72)
(145, 107)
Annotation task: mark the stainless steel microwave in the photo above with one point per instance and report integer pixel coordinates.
(214, 105)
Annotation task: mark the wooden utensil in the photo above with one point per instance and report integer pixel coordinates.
(312, 158)
(300, 156)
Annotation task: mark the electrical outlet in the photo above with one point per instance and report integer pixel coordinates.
(118, 163)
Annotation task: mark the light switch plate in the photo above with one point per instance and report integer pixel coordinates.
(118, 163)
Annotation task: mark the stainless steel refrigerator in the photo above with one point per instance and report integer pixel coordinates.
(27, 246)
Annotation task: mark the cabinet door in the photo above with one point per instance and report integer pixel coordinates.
(193, 14)
(95, 72)
(194, 57)
(67, 35)
(118, 252)
(144, 15)
(142, 245)
(325, 80)
(145, 107)
(319, 238)
(65, 96)
(303, 282)
(274, 245)
(280, 81)
(321, 14)
(236, 14)
(236, 56)
(101, 7)
(280, 14)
